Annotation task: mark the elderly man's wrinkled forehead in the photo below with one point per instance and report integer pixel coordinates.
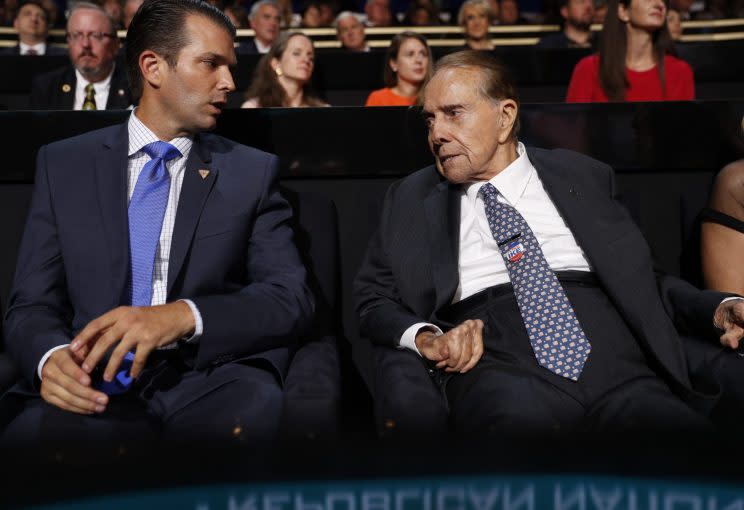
(467, 78)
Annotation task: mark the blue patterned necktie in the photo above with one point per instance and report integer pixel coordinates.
(146, 213)
(557, 339)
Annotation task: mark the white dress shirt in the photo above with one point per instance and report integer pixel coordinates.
(101, 88)
(139, 136)
(40, 48)
(480, 264)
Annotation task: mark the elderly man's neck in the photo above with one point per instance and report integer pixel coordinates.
(505, 155)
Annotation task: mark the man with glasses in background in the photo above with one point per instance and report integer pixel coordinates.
(93, 81)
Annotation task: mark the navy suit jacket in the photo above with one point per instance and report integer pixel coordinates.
(410, 271)
(232, 251)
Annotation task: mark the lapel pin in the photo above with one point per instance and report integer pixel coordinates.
(66, 88)
(574, 192)
(120, 92)
(204, 173)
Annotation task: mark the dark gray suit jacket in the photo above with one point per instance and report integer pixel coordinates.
(410, 269)
(55, 90)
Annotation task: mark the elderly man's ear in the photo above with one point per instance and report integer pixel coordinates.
(508, 110)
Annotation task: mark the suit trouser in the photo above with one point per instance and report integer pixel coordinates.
(169, 401)
(507, 391)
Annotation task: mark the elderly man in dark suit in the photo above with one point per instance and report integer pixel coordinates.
(32, 24)
(158, 288)
(93, 81)
(523, 285)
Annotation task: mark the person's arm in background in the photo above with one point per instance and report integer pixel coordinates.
(722, 243)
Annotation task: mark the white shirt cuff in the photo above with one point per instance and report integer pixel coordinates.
(731, 299)
(408, 340)
(45, 357)
(198, 324)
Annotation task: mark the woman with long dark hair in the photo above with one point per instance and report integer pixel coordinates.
(635, 60)
(282, 76)
(408, 64)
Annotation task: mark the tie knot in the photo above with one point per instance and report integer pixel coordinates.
(161, 150)
(89, 89)
(489, 191)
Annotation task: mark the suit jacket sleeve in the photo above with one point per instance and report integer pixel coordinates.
(382, 314)
(39, 313)
(275, 307)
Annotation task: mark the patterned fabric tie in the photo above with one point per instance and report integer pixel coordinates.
(557, 339)
(90, 98)
(146, 212)
(31, 51)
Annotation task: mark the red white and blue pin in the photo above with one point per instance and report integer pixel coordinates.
(515, 251)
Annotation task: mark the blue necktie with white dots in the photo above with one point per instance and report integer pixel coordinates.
(557, 339)
(146, 213)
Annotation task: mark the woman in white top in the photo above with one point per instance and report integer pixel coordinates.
(282, 77)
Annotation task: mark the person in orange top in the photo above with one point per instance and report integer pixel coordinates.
(407, 68)
(635, 61)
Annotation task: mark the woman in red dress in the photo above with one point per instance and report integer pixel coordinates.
(635, 61)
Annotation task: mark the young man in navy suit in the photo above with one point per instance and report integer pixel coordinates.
(158, 290)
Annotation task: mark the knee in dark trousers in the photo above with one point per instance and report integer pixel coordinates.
(244, 405)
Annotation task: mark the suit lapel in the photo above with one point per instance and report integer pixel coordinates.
(111, 182)
(443, 217)
(67, 89)
(194, 193)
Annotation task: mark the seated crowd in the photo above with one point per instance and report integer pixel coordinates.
(516, 303)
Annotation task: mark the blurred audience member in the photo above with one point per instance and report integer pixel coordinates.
(674, 24)
(288, 18)
(8, 12)
(600, 12)
(475, 18)
(282, 77)
(495, 8)
(114, 10)
(328, 12)
(378, 13)
(93, 81)
(265, 19)
(722, 232)
(408, 64)
(633, 63)
(130, 7)
(509, 13)
(350, 31)
(237, 15)
(33, 30)
(682, 7)
(421, 13)
(310, 15)
(577, 21)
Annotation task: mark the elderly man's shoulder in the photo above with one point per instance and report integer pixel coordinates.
(566, 158)
(419, 182)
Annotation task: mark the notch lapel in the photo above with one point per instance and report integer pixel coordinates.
(111, 182)
(443, 217)
(194, 193)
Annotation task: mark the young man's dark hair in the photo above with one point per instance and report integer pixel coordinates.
(158, 25)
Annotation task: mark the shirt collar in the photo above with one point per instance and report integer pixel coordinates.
(140, 135)
(100, 86)
(511, 181)
(261, 48)
(39, 48)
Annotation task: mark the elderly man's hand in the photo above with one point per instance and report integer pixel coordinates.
(139, 329)
(458, 350)
(729, 317)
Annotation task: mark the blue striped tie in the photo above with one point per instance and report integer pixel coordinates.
(146, 213)
(557, 339)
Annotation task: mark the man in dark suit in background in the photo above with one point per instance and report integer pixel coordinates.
(265, 18)
(32, 24)
(93, 81)
(158, 288)
(523, 285)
